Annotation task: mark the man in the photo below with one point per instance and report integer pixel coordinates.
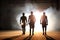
(23, 21)
(31, 21)
(44, 22)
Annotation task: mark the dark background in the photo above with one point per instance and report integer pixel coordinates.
(7, 15)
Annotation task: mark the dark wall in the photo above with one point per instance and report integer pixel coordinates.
(5, 17)
(7, 14)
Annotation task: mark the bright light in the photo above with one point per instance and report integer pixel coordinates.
(38, 14)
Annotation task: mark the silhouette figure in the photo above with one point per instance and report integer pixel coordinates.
(44, 22)
(31, 21)
(23, 21)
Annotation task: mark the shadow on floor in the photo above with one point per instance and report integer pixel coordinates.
(48, 37)
(12, 37)
(28, 37)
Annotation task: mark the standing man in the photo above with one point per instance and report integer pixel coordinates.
(31, 21)
(44, 22)
(23, 21)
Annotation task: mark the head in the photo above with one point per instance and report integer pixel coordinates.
(31, 12)
(23, 14)
(43, 13)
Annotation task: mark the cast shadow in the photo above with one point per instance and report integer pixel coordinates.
(48, 37)
(13, 37)
(28, 37)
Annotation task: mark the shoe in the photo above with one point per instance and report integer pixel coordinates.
(33, 34)
(23, 34)
(29, 34)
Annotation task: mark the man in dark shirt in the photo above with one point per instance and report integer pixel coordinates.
(23, 21)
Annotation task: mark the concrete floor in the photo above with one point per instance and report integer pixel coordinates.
(17, 35)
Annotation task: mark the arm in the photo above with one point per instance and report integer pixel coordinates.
(40, 20)
(34, 19)
(20, 20)
(46, 20)
(26, 19)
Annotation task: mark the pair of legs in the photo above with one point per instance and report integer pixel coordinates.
(32, 27)
(44, 29)
(32, 31)
(23, 29)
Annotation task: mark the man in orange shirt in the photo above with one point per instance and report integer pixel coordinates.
(44, 22)
(31, 21)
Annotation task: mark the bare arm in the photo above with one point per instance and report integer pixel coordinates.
(47, 20)
(40, 20)
(34, 19)
(26, 19)
(29, 19)
(20, 20)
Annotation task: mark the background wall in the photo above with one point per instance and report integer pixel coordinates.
(9, 9)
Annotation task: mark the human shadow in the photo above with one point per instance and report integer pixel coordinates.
(28, 37)
(48, 37)
(13, 37)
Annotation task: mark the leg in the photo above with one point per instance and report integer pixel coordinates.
(30, 30)
(24, 30)
(33, 29)
(43, 29)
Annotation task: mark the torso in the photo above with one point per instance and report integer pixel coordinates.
(32, 18)
(23, 18)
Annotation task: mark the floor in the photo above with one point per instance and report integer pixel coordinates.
(17, 35)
